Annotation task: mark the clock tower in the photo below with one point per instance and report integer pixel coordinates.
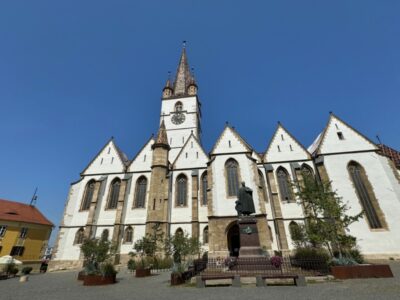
(180, 107)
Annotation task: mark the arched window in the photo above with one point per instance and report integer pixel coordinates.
(104, 235)
(179, 231)
(306, 170)
(79, 236)
(205, 235)
(181, 190)
(284, 184)
(140, 192)
(114, 194)
(270, 233)
(128, 238)
(88, 195)
(178, 106)
(204, 186)
(232, 176)
(261, 184)
(366, 195)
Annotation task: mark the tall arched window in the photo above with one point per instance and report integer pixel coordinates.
(232, 176)
(366, 195)
(204, 186)
(79, 236)
(104, 235)
(270, 233)
(178, 106)
(306, 170)
(179, 231)
(114, 194)
(285, 188)
(128, 238)
(140, 192)
(88, 195)
(205, 235)
(261, 184)
(181, 190)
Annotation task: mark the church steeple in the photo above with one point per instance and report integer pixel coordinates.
(162, 138)
(183, 76)
(167, 90)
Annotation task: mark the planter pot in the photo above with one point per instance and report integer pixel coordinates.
(177, 279)
(81, 275)
(98, 280)
(23, 278)
(143, 272)
(362, 271)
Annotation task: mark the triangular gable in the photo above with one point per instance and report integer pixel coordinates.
(143, 159)
(285, 147)
(230, 142)
(191, 155)
(110, 159)
(338, 137)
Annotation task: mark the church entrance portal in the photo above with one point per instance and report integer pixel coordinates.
(233, 236)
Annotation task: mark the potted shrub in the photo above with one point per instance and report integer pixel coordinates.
(98, 268)
(177, 274)
(25, 274)
(11, 270)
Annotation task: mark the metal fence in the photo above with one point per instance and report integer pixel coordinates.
(267, 266)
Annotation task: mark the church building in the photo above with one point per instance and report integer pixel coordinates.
(173, 181)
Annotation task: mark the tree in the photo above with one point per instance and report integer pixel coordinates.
(96, 252)
(327, 219)
(180, 246)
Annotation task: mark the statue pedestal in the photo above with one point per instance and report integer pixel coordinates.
(249, 240)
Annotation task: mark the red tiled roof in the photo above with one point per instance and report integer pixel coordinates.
(394, 155)
(20, 212)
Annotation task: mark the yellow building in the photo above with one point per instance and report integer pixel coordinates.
(24, 231)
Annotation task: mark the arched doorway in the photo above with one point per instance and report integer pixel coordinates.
(233, 236)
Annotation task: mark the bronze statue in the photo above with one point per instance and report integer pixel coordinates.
(245, 204)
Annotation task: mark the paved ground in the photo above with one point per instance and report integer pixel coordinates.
(63, 285)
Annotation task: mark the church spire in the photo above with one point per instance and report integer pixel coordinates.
(183, 76)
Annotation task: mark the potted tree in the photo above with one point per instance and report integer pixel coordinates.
(98, 268)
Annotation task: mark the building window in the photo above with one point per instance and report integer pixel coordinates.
(181, 190)
(179, 231)
(17, 251)
(23, 233)
(270, 233)
(178, 106)
(285, 188)
(3, 230)
(340, 135)
(204, 187)
(366, 195)
(128, 235)
(104, 235)
(306, 171)
(79, 236)
(232, 176)
(261, 184)
(205, 235)
(140, 192)
(114, 194)
(88, 195)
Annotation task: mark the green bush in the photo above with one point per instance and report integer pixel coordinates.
(107, 269)
(310, 258)
(131, 265)
(356, 255)
(26, 270)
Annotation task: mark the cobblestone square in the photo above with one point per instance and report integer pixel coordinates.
(63, 285)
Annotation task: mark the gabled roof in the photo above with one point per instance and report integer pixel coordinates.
(317, 144)
(121, 155)
(192, 136)
(236, 134)
(281, 127)
(20, 212)
(140, 151)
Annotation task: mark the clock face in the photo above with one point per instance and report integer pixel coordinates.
(178, 118)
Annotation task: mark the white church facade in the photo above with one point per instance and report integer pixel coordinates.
(174, 182)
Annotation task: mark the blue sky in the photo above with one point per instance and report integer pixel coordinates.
(75, 73)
